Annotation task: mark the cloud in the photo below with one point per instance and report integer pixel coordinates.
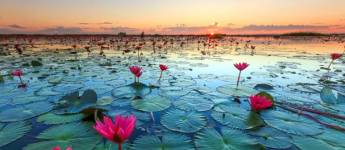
(249, 29)
(61, 30)
(16, 26)
(84, 23)
(128, 30)
(105, 22)
(283, 27)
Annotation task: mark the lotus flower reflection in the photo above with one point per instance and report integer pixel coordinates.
(59, 148)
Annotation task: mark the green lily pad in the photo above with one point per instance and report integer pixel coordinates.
(76, 135)
(151, 104)
(226, 139)
(132, 90)
(192, 102)
(297, 128)
(55, 80)
(252, 121)
(73, 103)
(166, 142)
(23, 99)
(182, 121)
(23, 112)
(13, 131)
(106, 100)
(272, 138)
(308, 143)
(241, 91)
(51, 118)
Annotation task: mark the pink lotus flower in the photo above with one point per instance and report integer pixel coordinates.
(136, 71)
(258, 102)
(163, 67)
(117, 132)
(336, 56)
(58, 148)
(240, 67)
(19, 73)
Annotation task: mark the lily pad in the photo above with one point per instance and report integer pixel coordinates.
(241, 91)
(308, 143)
(193, 102)
(132, 90)
(76, 135)
(151, 104)
(13, 131)
(23, 112)
(226, 139)
(72, 103)
(168, 141)
(51, 118)
(182, 121)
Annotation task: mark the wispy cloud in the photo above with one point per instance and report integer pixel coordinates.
(15, 26)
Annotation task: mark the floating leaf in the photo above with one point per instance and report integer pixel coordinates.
(72, 103)
(192, 102)
(182, 121)
(272, 138)
(166, 142)
(327, 96)
(132, 90)
(151, 104)
(241, 91)
(51, 118)
(23, 112)
(308, 143)
(76, 135)
(13, 131)
(227, 139)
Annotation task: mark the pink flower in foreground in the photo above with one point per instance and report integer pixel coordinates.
(336, 56)
(58, 148)
(258, 102)
(241, 66)
(117, 132)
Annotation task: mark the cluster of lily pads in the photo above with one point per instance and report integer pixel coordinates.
(64, 96)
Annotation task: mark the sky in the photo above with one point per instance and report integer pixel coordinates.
(171, 16)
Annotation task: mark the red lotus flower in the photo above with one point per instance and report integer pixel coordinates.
(241, 66)
(117, 132)
(163, 67)
(258, 102)
(136, 70)
(335, 56)
(17, 73)
(58, 148)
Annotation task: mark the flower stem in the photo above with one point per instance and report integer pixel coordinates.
(119, 146)
(238, 79)
(160, 77)
(21, 80)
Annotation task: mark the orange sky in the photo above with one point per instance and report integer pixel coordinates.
(172, 16)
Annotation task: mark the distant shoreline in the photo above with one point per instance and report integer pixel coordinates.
(292, 34)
